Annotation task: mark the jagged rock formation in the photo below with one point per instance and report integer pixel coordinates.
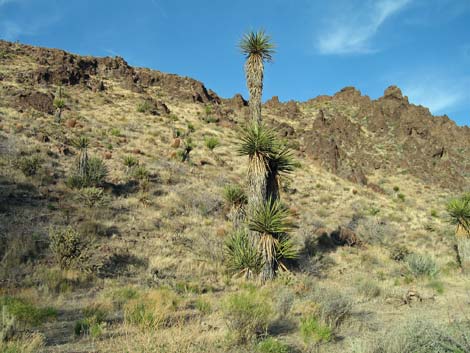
(348, 133)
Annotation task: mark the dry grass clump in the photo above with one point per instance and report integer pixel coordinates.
(152, 310)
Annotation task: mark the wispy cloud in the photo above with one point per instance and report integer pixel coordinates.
(441, 94)
(350, 31)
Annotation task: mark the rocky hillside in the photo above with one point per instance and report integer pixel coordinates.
(137, 262)
(348, 134)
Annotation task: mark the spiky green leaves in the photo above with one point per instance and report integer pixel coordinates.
(271, 218)
(241, 255)
(257, 43)
(81, 143)
(234, 195)
(257, 140)
(459, 212)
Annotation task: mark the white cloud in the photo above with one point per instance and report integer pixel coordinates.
(349, 31)
(440, 95)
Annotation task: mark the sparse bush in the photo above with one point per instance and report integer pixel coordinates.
(121, 296)
(115, 132)
(313, 331)
(248, 314)
(141, 173)
(92, 323)
(211, 142)
(28, 165)
(369, 288)
(67, 246)
(242, 256)
(332, 307)
(59, 103)
(153, 310)
(271, 345)
(203, 306)
(399, 253)
(401, 197)
(421, 265)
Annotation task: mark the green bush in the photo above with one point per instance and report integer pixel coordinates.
(67, 246)
(421, 265)
(25, 312)
(95, 175)
(271, 345)
(91, 324)
(28, 165)
(313, 331)
(369, 288)
(234, 195)
(91, 197)
(248, 314)
(144, 107)
(130, 162)
(211, 142)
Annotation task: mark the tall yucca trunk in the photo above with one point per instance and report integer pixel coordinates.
(257, 183)
(83, 163)
(254, 68)
(267, 246)
(463, 247)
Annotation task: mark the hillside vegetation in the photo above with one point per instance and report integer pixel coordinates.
(119, 189)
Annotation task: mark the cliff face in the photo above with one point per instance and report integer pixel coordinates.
(348, 134)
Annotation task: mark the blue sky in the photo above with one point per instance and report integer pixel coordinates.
(423, 46)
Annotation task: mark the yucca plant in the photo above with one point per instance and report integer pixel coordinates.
(242, 257)
(271, 221)
(82, 145)
(258, 49)
(59, 104)
(459, 215)
(236, 199)
(259, 144)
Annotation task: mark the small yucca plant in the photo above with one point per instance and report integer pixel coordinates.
(459, 214)
(234, 195)
(271, 221)
(242, 257)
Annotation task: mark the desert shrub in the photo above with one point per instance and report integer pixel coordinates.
(271, 345)
(369, 288)
(68, 247)
(399, 252)
(284, 301)
(313, 331)
(28, 165)
(421, 265)
(242, 257)
(248, 314)
(97, 171)
(401, 197)
(375, 231)
(55, 280)
(91, 197)
(438, 286)
(25, 312)
(211, 142)
(153, 310)
(332, 307)
(59, 103)
(421, 336)
(95, 174)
